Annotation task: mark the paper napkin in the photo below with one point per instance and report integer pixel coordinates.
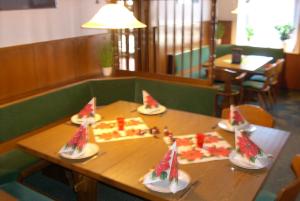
(247, 149)
(166, 170)
(75, 146)
(149, 102)
(236, 119)
(89, 109)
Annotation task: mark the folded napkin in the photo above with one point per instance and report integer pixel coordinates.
(149, 102)
(89, 109)
(248, 151)
(166, 170)
(76, 145)
(236, 119)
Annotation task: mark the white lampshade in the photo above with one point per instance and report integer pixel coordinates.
(113, 16)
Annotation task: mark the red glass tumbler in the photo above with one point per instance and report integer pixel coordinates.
(200, 139)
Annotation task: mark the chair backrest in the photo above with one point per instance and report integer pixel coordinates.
(296, 165)
(290, 192)
(229, 77)
(270, 74)
(277, 71)
(253, 114)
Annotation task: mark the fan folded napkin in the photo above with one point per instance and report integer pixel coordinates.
(76, 145)
(248, 152)
(236, 119)
(166, 171)
(150, 103)
(89, 110)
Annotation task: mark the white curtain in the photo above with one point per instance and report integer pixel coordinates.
(297, 25)
(262, 16)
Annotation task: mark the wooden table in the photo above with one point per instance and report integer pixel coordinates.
(6, 197)
(250, 63)
(127, 161)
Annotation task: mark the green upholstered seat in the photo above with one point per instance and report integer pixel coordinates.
(183, 63)
(265, 196)
(13, 162)
(253, 84)
(22, 193)
(222, 50)
(259, 78)
(108, 193)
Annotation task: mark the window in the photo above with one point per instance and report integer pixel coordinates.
(256, 21)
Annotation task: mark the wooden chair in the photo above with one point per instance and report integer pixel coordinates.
(288, 193)
(296, 165)
(262, 89)
(230, 88)
(274, 82)
(253, 114)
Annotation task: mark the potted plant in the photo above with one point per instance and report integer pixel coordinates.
(249, 32)
(220, 30)
(106, 57)
(284, 31)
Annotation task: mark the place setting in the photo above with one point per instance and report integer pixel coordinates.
(166, 177)
(78, 148)
(150, 105)
(247, 154)
(236, 120)
(87, 113)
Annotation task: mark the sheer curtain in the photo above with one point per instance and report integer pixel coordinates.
(297, 25)
(261, 17)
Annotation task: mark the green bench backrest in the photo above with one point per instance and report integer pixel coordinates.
(34, 113)
(108, 91)
(249, 50)
(185, 66)
(25, 116)
(178, 96)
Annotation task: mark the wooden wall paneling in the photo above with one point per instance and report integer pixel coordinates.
(291, 72)
(88, 54)
(17, 72)
(55, 62)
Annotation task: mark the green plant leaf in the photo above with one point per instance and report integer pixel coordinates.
(106, 54)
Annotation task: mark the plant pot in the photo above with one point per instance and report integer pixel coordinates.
(107, 71)
(219, 41)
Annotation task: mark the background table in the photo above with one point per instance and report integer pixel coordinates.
(127, 161)
(250, 63)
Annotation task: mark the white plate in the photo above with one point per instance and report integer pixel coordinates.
(90, 150)
(163, 186)
(239, 161)
(76, 120)
(225, 125)
(143, 110)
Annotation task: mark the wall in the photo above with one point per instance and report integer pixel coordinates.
(36, 25)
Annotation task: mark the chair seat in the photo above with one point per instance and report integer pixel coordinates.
(22, 193)
(253, 84)
(259, 78)
(12, 163)
(265, 196)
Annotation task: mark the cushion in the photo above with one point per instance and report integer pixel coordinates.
(13, 162)
(265, 196)
(253, 84)
(22, 193)
(259, 78)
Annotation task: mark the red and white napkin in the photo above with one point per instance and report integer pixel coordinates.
(236, 119)
(248, 151)
(75, 147)
(166, 170)
(149, 102)
(89, 109)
